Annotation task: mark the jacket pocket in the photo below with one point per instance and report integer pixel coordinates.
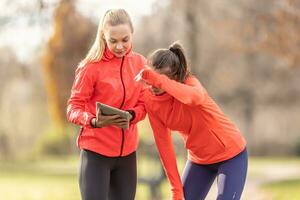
(79, 135)
(220, 141)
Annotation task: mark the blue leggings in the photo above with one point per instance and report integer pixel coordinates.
(231, 176)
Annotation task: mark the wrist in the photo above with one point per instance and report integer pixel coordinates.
(152, 77)
(132, 113)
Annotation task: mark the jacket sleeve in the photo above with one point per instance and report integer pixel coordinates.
(82, 90)
(163, 140)
(139, 108)
(191, 92)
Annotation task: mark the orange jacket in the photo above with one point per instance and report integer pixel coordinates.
(110, 81)
(209, 136)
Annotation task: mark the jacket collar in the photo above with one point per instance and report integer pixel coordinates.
(108, 55)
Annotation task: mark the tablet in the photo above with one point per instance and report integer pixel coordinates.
(109, 110)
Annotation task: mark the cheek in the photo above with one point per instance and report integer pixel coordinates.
(110, 45)
(127, 45)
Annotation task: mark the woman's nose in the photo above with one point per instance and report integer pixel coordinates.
(119, 46)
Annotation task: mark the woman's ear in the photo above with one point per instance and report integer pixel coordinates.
(103, 36)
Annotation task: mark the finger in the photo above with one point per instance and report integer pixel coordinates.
(121, 120)
(98, 112)
(121, 125)
(147, 67)
(138, 78)
(110, 117)
(143, 82)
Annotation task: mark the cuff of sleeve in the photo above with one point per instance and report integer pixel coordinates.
(132, 113)
(135, 116)
(177, 196)
(87, 123)
(151, 77)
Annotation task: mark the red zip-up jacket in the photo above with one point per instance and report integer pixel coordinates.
(110, 81)
(209, 136)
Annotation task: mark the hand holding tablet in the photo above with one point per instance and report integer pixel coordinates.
(120, 117)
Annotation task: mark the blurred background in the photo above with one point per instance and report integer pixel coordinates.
(246, 54)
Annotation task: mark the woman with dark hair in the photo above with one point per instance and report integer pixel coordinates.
(177, 101)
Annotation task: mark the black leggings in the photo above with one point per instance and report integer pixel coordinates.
(103, 178)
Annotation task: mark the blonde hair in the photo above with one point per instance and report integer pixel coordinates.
(112, 17)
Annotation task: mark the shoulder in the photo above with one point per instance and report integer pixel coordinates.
(137, 61)
(92, 65)
(193, 81)
(138, 57)
(89, 68)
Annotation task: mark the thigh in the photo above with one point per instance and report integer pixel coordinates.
(197, 180)
(232, 176)
(124, 179)
(94, 176)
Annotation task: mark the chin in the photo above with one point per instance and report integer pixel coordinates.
(119, 55)
(157, 92)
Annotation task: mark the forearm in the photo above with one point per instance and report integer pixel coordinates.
(188, 94)
(77, 115)
(81, 93)
(139, 109)
(139, 113)
(167, 155)
(168, 159)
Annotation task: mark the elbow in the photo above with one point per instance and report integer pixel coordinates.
(71, 114)
(193, 103)
(195, 100)
(68, 114)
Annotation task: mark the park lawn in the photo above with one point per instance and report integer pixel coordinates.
(281, 190)
(56, 178)
(48, 179)
(43, 180)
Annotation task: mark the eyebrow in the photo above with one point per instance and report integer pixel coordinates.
(126, 37)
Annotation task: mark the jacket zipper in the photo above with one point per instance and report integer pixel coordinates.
(123, 101)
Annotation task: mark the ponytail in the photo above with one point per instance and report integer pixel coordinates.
(174, 59)
(182, 70)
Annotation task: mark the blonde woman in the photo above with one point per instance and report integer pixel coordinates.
(106, 74)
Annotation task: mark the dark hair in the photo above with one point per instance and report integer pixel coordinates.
(173, 58)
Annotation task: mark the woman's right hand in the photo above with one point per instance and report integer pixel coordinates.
(108, 120)
(139, 76)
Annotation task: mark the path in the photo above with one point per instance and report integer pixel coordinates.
(262, 173)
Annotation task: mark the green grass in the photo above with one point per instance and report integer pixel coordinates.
(270, 160)
(48, 179)
(56, 178)
(44, 180)
(288, 189)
